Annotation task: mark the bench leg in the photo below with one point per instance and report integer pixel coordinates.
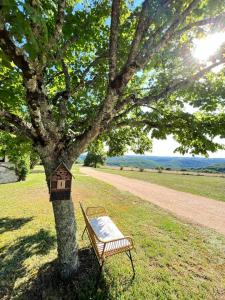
(82, 236)
(131, 260)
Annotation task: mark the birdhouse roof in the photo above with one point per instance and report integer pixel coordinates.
(62, 164)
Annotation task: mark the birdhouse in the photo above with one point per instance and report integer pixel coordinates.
(60, 183)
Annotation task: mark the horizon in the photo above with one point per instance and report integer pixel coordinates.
(169, 156)
(167, 147)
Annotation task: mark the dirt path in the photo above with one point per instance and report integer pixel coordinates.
(195, 209)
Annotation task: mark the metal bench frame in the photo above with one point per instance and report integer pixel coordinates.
(118, 244)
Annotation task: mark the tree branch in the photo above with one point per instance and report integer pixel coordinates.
(149, 50)
(81, 79)
(143, 24)
(144, 21)
(115, 15)
(9, 128)
(24, 127)
(180, 84)
(167, 90)
(59, 21)
(14, 53)
(64, 101)
(133, 123)
(67, 76)
(213, 20)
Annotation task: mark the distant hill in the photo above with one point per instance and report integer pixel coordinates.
(175, 163)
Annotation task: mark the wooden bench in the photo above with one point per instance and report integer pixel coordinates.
(106, 239)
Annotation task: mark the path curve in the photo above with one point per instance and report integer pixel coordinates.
(193, 208)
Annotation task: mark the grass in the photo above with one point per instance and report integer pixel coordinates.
(173, 260)
(210, 187)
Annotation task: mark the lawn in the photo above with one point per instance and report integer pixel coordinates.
(173, 260)
(207, 186)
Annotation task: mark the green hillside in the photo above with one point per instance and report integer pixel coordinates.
(174, 163)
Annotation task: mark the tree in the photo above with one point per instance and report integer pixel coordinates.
(17, 151)
(96, 154)
(93, 159)
(34, 159)
(73, 73)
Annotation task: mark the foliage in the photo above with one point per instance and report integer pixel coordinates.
(93, 159)
(17, 150)
(34, 159)
(69, 54)
(22, 166)
(96, 155)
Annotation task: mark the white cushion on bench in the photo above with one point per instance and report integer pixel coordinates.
(106, 230)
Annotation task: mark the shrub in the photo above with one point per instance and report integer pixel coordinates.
(159, 169)
(22, 167)
(141, 170)
(121, 168)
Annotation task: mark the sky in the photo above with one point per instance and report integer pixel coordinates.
(166, 148)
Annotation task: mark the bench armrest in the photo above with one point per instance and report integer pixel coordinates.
(95, 211)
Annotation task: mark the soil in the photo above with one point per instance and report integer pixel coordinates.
(194, 209)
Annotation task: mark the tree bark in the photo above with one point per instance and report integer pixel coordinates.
(66, 237)
(65, 224)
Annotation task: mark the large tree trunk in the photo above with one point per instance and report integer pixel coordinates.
(65, 226)
(66, 237)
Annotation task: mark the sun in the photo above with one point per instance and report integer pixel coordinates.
(204, 48)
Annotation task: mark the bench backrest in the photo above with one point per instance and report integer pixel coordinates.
(84, 213)
(91, 232)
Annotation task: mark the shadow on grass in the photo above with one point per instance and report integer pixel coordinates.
(47, 283)
(82, 286)
(12, 258)
(9, 224)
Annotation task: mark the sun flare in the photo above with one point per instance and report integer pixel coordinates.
(204, 48)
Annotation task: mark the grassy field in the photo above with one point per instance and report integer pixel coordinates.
(173, 260)
(207, 186)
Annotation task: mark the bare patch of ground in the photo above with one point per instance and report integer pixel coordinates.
(195, 209)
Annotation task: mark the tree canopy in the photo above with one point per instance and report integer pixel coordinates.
(117, 80)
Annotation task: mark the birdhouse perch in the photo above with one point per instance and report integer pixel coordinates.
(60, 183)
